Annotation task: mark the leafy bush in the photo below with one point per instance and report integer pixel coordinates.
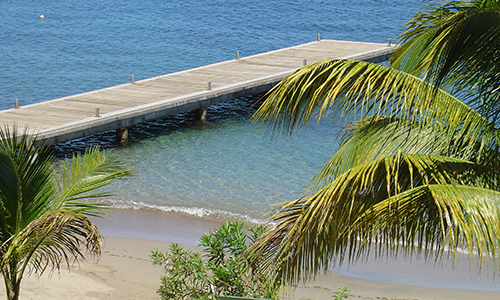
(185, 274)
(224, 268)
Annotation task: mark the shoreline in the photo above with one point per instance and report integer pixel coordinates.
(152, 225)
(186, 230)
(124, 270)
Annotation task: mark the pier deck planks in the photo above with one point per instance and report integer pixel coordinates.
(128, 104)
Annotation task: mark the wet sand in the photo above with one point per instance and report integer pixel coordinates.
(124, 270)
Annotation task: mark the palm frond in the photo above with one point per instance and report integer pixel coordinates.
(52, 239)
(375, 137)
(334, 224)
(417, 170)
(25, 181)
(467, 218)
(361, 89)
(41, 224)
(459, 47)
(83, 174)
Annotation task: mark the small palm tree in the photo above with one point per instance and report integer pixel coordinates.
(43, 222)
(417, 171)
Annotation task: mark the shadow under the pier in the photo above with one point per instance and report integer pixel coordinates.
(242, 107)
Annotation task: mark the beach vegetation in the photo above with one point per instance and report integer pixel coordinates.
(222, 268)
(341, 294)
(416, 173)
(44, 222)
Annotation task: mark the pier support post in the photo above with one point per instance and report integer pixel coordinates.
(122, 136)
(201, 115)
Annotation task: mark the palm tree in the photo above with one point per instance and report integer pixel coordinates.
(43, 222)
(417, 170)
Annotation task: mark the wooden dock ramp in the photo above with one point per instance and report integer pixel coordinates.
(128, 104)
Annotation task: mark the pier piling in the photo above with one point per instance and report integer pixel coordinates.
(201, 115)
(122, 136)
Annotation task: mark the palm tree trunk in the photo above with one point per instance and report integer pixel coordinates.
(12, 289)
(12, 284)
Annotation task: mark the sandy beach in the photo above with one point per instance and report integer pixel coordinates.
(124, 270)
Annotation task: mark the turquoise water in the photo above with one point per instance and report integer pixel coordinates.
(224, 169)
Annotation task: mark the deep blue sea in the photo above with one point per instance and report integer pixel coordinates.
(85, 45)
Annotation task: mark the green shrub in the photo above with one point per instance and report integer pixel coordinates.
(223, 270)
(341, 294)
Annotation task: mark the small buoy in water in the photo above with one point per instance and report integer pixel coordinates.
(42, 17)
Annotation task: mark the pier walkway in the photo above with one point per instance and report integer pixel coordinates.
(119, 107)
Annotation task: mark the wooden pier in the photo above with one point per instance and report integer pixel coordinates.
(122, 106)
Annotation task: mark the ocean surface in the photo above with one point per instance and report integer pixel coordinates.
(224, 168)
(219, 170)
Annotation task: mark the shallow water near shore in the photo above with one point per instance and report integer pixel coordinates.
(225, 169)
(190, 173)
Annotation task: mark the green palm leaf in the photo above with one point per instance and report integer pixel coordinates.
(371, 138)
(417, 169)
(53, 238)
(361, 89)
(339, 221)
(456, 44)
(469, 218)
(25, 184)
(83, 174)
